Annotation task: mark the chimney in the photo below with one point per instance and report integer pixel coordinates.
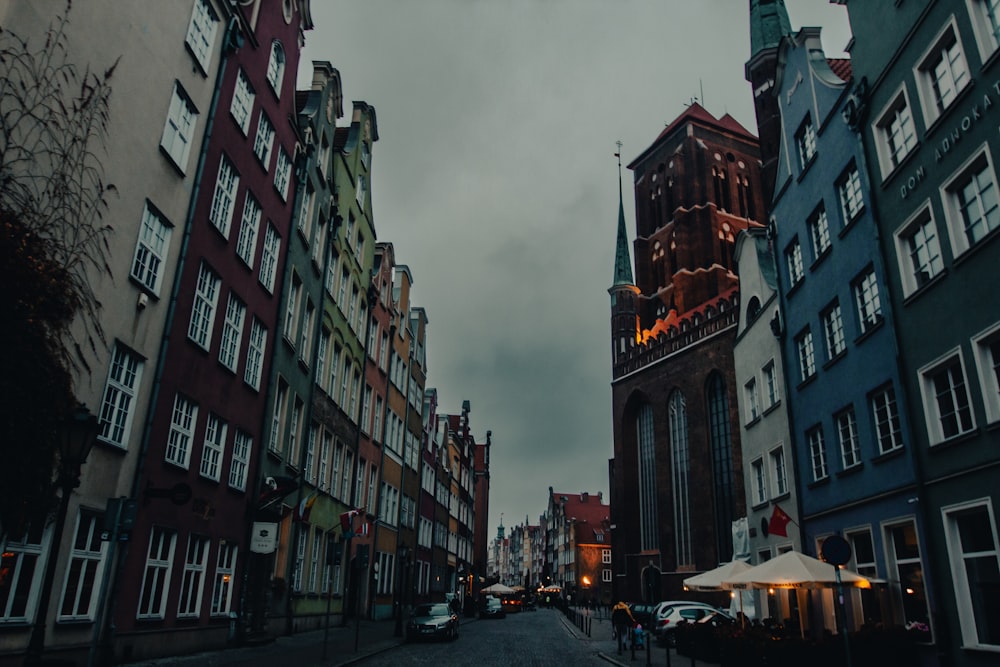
(584, 496)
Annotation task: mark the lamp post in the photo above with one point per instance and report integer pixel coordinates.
(79, 431)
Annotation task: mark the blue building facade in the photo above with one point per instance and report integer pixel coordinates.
(852, 441)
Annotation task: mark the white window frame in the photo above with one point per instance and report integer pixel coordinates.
(283, 173)
(752, 399)
(232, 332)
(893, 562)
(224, 199)
(156, 573)
(848, 439)
(193, 576)
(184, 418)
(932, 413)
(867, 300)
(918, 264)
(246, 243)
(778, 470)
(886, 419)
(959, 572)
(793, 262)
(850, 194)
(932, 104)
(179, 127)
(256, 347)
(269, 257)
(225, 572)
(805, 142)
(203, 309)
(895, 132)
(980, 162)
(988, 369)
(151, 247)
(276, 67)
(758, 482)
(85, 571)
(819, 231)
(985, 15)
(806, 354)
(833, 331)
(241, 107)
(214, 447)
(263, 142)
(120, 391)
(771, 382)
(200, 37)
(242, 446)
(817, 453)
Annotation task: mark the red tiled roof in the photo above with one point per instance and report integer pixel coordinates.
(841, 67)
(697, 113)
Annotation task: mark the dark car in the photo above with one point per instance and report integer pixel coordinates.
(432, 621)
(492, 609)
(643, 613)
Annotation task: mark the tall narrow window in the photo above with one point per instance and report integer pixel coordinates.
(178, 129)
(255, 354)
(681, 464)
(246, 244)
(206, 297)
(182, 423)
(807, 357)
(118, 404)
(276, 67)
(817, 452)
(895, 133)
(151, 249)
(758, 482)
(847, 431)
(946, 400)
(215, 444)
(805, 140)
(242, 443)
(283, 174)
(971, 535)
(224, 199)
(648, 520)
(778, 473)
(903, 556)
(886, 416)
(919, 251)
(269, 259)
(833, 331)
(972, 206)
(242, 105)
(156, 575)
(83, 577)
(793, 260)
(232, 332)
(723, 482)
(225, 570)
(819, 232)
(866, 296)
(193, 578)
(201, 33)
(849, 192)
(942, 73)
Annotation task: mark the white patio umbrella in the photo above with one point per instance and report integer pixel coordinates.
(793, 569)
(498, 588)
(712, 580)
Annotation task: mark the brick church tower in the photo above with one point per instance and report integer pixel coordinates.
(676, 476)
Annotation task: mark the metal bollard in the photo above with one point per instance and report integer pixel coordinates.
(631, 633)
(649, 648)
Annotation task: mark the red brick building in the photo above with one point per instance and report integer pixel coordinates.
(676, 476)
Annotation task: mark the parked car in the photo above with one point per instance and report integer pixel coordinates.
(492, 609)
(432, 621)
(643, 613)
(669, 617)
(511, 603)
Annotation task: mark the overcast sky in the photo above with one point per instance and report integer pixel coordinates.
(494, 178)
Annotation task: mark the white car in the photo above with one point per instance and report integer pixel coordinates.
(668, 614)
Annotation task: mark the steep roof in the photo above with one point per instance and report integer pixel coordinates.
(697, 114)
(841, 67)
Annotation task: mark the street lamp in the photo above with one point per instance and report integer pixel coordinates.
(79, 431)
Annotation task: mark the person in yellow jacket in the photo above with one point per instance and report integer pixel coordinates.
(623, 622)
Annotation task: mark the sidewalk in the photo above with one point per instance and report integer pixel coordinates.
(607, 648)
(305, 649)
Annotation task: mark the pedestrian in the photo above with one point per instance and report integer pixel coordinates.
(623, 622)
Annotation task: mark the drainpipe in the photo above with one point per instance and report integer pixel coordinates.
(231, 43)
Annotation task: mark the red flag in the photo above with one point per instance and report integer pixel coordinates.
(779, 522)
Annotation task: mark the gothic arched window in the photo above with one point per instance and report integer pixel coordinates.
(680, 459)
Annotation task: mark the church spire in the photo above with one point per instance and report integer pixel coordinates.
(623, 262)
(768, 24)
